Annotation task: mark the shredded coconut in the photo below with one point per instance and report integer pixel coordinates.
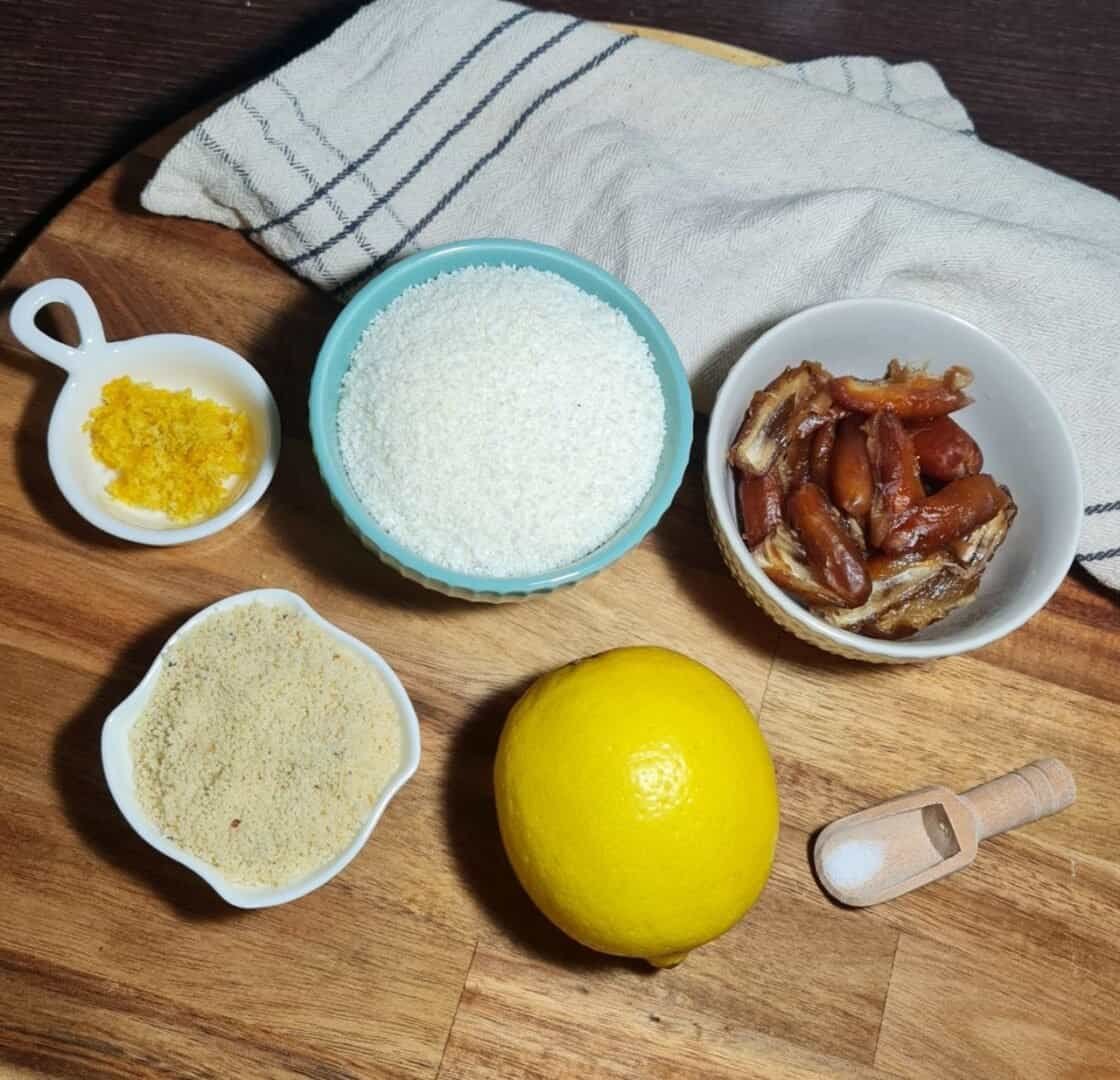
(500, 421)
(264, 745)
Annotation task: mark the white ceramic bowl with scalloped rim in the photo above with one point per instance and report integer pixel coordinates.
(116, 759)
(1024, 440)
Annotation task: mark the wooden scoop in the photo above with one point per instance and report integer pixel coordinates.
(904, 843)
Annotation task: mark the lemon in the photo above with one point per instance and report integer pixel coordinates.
(637, 802)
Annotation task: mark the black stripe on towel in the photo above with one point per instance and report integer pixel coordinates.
(400, 125)
(298, 167)
(1103, 508)
(888, 85)
(1097, 556)
(208, 142)
(489, 156)
(327, 144)
(464, 121)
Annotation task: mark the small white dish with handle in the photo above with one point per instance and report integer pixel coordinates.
(170, 361)
(116, 759)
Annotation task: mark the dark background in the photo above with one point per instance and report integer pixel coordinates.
(82, 81)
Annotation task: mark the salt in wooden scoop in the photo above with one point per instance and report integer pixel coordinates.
(904, 843)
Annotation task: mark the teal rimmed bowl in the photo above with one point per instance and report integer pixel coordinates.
(334, 361)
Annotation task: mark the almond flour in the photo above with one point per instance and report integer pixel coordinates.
(265, 744)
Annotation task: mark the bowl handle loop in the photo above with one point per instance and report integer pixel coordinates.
(56, 291)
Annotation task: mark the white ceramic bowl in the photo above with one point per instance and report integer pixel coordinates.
(116, 759)
(1025, 442)
(171, 361)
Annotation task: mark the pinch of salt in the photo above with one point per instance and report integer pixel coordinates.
(852, 863)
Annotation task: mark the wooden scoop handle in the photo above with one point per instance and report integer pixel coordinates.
(1025, 795)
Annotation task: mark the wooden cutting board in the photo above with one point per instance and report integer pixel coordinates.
(425, 956)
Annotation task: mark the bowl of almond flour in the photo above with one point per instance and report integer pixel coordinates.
(496, 418)
(261, 748)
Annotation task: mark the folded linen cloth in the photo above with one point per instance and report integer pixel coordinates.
(727, 197)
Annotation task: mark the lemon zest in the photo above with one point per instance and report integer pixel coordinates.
(171, 451)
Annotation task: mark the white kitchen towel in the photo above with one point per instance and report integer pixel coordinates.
(727, 197)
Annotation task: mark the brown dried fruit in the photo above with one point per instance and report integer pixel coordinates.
(851, 470)
(833, 555)
(914, 523)
(945, 450)
(910, 393)
(783, 559)
(820, 455)
(907, 594)
(857, 533)
(795, 464)
(950, 514)
(760, 505)
(975, 550)
(894, 469)
(794, 405)
(939, 596)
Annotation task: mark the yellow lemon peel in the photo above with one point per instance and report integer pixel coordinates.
(637, 802)
(172, 452)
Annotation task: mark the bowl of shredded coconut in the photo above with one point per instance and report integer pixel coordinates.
(497, 418)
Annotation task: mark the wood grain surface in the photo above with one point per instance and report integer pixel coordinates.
(425, 957)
